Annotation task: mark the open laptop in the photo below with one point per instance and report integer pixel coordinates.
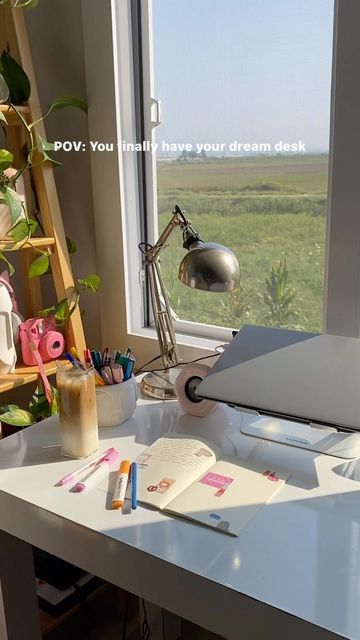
(290, 374)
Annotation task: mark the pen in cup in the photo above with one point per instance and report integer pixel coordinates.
(73, 361)
(117, 372)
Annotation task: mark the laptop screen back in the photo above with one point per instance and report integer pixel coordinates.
(304, 376)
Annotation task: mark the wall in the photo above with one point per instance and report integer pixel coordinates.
(56, 40)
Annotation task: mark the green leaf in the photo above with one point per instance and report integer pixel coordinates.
(92, 282)
(39, 406)
(15, 78)
(8, 407)
(18, 418)
(2, 117)
(9, 265)
(6, 159)
(45, 313)
(71, 246)
(62, 311)
(14, 203)
(47, 146)
(39, 266)
(67, 101)
(23, 229)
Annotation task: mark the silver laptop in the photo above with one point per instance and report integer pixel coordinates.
(290, 374)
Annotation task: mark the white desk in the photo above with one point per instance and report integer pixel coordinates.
(300, 555)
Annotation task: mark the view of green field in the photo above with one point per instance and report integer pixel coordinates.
(267, 210)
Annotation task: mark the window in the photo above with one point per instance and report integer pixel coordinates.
(115, 32)
(243, 148)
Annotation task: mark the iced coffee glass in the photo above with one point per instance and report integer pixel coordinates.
(77, 410)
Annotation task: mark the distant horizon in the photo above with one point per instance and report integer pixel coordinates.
(315, 152)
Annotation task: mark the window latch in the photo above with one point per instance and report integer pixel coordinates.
(155, 112)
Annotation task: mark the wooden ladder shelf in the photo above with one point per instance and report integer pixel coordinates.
(13, 36)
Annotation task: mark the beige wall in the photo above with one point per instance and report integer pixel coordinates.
(55, 33)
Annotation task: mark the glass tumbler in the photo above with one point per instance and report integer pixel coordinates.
(77, 410)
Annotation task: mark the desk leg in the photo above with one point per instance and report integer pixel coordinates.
(163, 624)
(19, 613)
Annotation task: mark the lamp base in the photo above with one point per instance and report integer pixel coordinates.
(160, 385)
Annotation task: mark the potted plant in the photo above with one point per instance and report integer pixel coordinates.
(14, 93)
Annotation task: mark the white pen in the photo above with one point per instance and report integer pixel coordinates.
(71, 477)
(98, 473)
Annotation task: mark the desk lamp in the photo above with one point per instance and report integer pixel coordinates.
(207, 266)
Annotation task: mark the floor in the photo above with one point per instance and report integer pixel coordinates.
(102, 618)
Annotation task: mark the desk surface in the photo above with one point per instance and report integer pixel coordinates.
(300, 554)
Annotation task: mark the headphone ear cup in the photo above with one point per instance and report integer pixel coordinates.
(186, 384)
(16, 320)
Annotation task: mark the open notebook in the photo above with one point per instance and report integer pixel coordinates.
(188, 477)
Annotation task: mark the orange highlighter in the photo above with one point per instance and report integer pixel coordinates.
(121, 484)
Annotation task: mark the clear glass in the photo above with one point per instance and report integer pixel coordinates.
(77, 410)
(239, 82)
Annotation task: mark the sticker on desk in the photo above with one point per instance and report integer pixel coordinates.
(162, 487)
(216, 480)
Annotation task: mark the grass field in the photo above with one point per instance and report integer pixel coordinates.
(263, 208)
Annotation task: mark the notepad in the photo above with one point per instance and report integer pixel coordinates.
(188, 477)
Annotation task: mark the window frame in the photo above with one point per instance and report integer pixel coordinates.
(110, 34)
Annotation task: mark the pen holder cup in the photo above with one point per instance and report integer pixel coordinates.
(116, 403)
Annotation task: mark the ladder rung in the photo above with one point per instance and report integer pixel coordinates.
(42, 241)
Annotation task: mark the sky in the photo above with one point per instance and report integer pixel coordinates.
(246, 70)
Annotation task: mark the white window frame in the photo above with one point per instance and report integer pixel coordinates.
(111, 64)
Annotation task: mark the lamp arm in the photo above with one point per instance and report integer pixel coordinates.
(162, 317)
(152, 253)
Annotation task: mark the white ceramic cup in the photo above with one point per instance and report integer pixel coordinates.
(115, 403)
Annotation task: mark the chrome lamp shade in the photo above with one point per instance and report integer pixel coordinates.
(210, 267)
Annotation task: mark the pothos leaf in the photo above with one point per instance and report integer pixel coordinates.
(47, 146)
(8, 407)
(39, 266)
(10, 266)
(71, 246)
(15, 78)
(39, 406)
(92, 282)
(62, 311)
(6, 159)
(14, 203)
(23, 229)
(45, 313)
(17, 417)
(2, 117)
(68, 101)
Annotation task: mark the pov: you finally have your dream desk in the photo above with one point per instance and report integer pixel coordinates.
(294, 570)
